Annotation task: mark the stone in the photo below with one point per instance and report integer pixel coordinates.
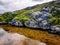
(55, 28)
(16, 23)
(3, 22)
(32, 24)
(40, 20)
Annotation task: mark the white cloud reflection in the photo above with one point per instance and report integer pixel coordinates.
(16, 39)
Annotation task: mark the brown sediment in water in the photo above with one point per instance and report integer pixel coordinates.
(50, 39)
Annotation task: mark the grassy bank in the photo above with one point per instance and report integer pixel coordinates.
(50, 39)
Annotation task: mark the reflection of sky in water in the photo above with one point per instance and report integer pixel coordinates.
(11, 5)
(16, 39)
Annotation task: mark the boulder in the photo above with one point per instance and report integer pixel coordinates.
(16, 23)
(3, 22)
(31, 23)
(55, 29)
(44, 26)
(40, 20)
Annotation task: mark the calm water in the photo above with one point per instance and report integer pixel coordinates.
(44, 36)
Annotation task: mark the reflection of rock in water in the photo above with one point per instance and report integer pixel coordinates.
(2, 32)
(16, 39)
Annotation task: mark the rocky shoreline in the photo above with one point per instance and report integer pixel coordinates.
(39, 19)
(53, 30)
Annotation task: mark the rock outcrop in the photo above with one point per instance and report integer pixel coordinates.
(31, 23)
(46, 17)
(39, 20)
(15, 23)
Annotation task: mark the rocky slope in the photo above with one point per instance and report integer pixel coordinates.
(44, 16)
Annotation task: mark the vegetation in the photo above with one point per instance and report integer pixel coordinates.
(55, 18)
(23, 15)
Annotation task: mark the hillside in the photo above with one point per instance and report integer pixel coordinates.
(28, 10)
(45, 16)
(40, 22)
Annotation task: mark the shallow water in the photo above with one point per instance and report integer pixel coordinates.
(16, 39)
(50, 39)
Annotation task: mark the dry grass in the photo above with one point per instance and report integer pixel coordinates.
(43, 36)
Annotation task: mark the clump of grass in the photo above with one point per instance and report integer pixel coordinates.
(43, 36)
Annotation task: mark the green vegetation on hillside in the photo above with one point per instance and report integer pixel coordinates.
(55, 18)
(23, 15)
